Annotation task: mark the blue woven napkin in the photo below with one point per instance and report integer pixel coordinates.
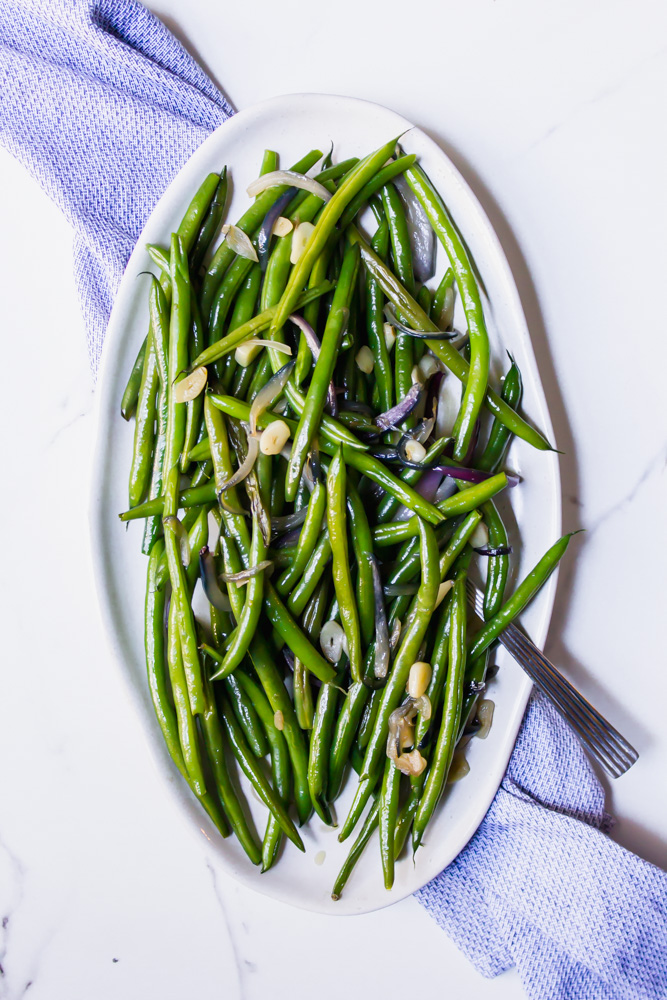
(103, 106)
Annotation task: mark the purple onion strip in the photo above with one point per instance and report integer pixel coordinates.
(264, 236)
(314, 346)
(397, 414)
(392, 318)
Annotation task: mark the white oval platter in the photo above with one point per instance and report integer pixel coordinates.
(292, 125)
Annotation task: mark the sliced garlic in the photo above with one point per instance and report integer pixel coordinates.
(300, 238)
(419, 678)
(282, 226)
(274, 438)
(443, 590)
(190, 386)
(415, 451)
(365, 360)
(279, 720)
(480, 536)
(389, 335)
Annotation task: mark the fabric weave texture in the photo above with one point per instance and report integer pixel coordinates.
(103, 105)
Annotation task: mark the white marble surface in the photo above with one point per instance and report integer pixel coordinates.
(556, 117)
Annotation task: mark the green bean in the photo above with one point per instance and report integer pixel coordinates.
(215, 750)
(262, 659)
(460, 503)
(387, 173)
(187, 730)
(313, 407)
(526, 590)
(248, 222)
(197, 496)
(500, 436)
(155, 659)
(210, 224)
(178, 339)
(159, 332)
(337, 523)
(438, 303)
(418, 320)
(312, 623)
(292, 635)
(389, 504)
(402, 257)
(252, 327)
(411, 640)
(391, 782)
(498, 566)
(128, 403)
(193, 418)
(346, 727)
(356, 850)
(310, 533)
(197, 535)
(255, 775)
(382, 371)
(351, 185)
(362, 543)
(371, 467)
(478, 376)
(144, 428)
(191, 222)
(311, 577)
(451, 713)
(320, 744)
(252, 608)
(246, 714)
(280, 765)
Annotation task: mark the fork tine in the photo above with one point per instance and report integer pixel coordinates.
(559, 697)
(599, 737)
(616, 742)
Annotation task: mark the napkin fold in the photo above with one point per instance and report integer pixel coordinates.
(103, 106)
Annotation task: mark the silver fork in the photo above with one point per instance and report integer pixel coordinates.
(598, 737)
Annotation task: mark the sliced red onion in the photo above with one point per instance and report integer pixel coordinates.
(269, 393)
(289, 657)
(289, 521)
(422, 237)
(382, 650)
(173, 524)
(427, 487)
(446, 489)
(385, 452)
(246, 466)
(264, 235)
(397, 414)
(247, 574)
(314, 346)
(390, 313)
(493, 550)
(287, 540)
(209, 580)
(291, 177)
(400, 589)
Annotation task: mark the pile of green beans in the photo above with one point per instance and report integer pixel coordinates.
(336, 636)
